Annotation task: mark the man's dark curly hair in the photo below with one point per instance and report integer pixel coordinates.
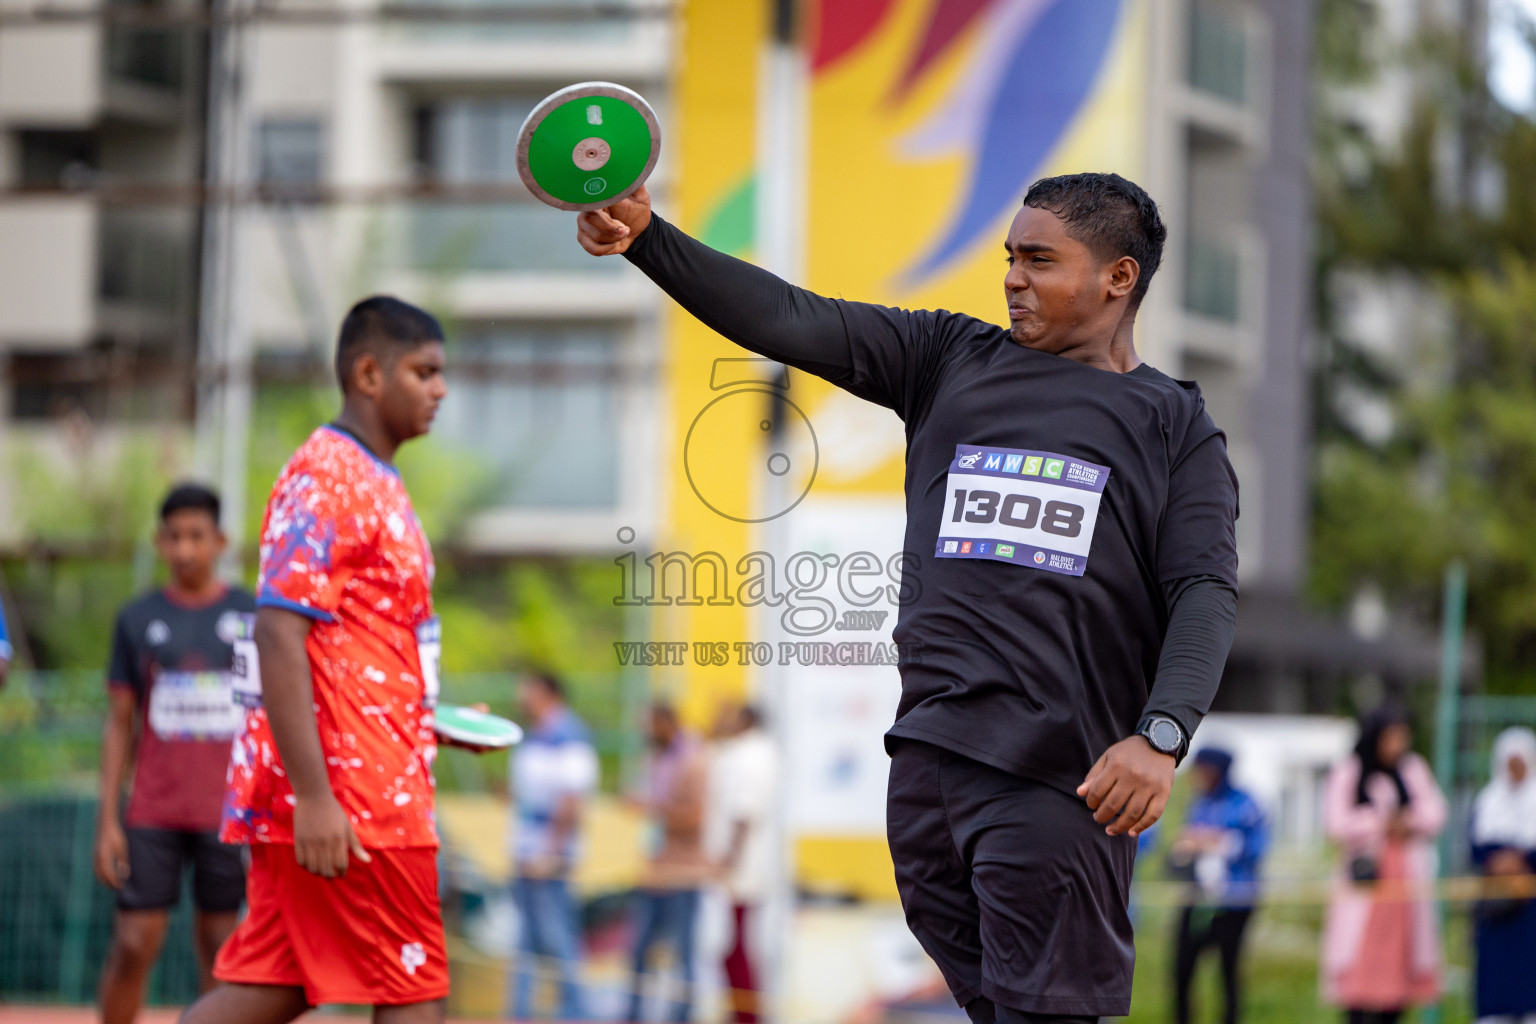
(1113, 217)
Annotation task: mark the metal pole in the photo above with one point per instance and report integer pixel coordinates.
(1453, 617)
(223, 348)
(1448, 711)
(778, 241)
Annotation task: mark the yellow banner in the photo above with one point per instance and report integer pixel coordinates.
(924, 123)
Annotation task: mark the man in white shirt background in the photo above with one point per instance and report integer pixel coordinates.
(554, 770)
(743, 791)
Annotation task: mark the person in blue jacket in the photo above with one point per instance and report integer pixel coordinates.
(6, 651)
(1218, 851)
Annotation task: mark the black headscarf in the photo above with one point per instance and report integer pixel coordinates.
(1368, 749)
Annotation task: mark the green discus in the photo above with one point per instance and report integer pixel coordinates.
(474, 727)
(588, 146)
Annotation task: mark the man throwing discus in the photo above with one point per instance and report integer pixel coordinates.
(1072, 510)
(331, 779)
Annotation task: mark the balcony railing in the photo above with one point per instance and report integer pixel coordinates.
(145, 258)
(525, 398)
(464, 237)
(1218, 54)
(524, 21)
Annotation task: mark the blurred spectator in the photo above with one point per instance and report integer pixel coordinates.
(171, 698)
(743, 788)
(6, 652)
(1504, 846)
(553, 771)
(1218, 851)
(667, 903)
(1381, 940)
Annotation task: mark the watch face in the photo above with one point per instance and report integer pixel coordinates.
(1164, 736)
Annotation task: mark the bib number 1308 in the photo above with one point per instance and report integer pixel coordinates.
(1036, 509)
(1022, 510)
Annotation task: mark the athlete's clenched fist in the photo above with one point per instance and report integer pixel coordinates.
(1130, 784)
(613, 229)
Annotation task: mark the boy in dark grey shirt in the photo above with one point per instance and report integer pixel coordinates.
(173, 717)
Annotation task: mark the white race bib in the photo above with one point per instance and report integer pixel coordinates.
(429, 647)
(193, 706)
(245, 673)
(1030, 508)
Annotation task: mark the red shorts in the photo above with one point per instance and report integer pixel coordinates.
(373, 936)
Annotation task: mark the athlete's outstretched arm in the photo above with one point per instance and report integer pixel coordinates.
(322, 835)
(879, 353)
(747, 304)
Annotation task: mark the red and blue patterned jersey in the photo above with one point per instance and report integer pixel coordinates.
(341, 544)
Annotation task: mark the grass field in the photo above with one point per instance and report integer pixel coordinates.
(1280, 971)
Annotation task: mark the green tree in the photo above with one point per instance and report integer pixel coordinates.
(85, 505)
(1445, 212)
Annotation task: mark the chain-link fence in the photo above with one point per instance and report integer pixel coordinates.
(56, 919)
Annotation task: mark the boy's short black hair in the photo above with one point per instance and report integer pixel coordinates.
(1112, 216)
(552, 684)
(192, 496)
(385, 326)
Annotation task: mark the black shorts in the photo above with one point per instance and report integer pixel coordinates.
(1011, 886)
(158, 856)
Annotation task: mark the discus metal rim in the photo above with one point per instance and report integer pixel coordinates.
(585, 90)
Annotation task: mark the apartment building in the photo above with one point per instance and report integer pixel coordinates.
(370, 149)
(1228, 150)
(97, 298)
(375, 152)
(402, 132)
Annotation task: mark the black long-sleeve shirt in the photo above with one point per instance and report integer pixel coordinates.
(1074, 527)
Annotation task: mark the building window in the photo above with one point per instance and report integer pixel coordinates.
(1218, 53)
(1213, 280)
(289, 152)
(538, 404)
(150, 56)
(146, 256)
(473, 141)
(46, 386)
(56, 159)
(139, 384)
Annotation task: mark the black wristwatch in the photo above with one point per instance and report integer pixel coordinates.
(1165, 735)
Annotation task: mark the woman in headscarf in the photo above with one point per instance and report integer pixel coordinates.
(1381, 941)
(1504, 847)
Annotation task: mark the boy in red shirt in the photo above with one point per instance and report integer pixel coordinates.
(331, 778)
